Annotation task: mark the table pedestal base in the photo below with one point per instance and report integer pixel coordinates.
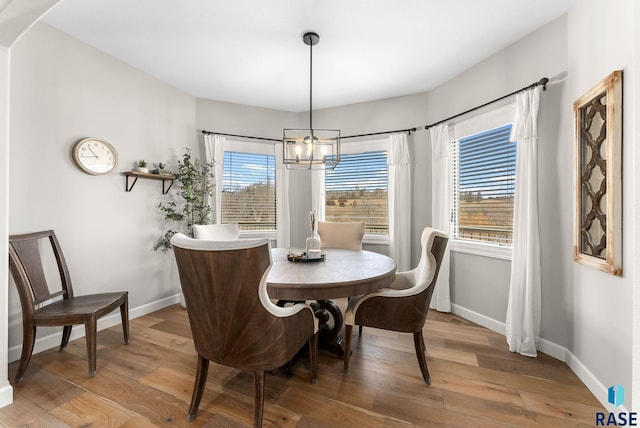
(330, 323)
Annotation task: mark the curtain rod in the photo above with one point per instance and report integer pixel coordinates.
(409, 130)
(542, 82)
(205, 132)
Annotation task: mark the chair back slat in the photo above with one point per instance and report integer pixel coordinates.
(28, 256)
(26, 264)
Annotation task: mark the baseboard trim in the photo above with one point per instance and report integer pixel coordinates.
(6, 394)
(552, 349)
(483, 320)
(53, 340)
(594, 385)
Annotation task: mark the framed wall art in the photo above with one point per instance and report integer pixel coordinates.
(598, 168)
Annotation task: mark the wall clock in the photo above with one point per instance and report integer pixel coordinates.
(94, 156)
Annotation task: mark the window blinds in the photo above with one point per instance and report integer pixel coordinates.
(484, 167)
(356, 190)
(248, 191)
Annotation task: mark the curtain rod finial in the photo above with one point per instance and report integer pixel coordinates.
(543, 82)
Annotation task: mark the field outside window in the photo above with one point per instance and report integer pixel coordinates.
(357, 190)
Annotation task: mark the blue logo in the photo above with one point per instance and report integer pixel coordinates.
(616, 395)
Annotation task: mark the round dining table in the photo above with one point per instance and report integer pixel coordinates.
(341, 273)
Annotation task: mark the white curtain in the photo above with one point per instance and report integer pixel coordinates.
(399, 161)
(523, 310)
(283, 219)
(214, 153)
(441, 209)
(318, 197)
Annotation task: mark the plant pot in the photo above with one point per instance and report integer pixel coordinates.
(142, 169)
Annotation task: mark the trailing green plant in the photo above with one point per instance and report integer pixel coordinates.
(195, 187)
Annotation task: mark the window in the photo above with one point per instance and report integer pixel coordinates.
(483, 186)
(356, 190)
(248, 191)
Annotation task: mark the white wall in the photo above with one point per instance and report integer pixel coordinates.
(6, 393)
(635, 236)
(601, 40)
(63, 90)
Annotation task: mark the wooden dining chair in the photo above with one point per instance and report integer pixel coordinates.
(44, 305)
(403, 306)
(338, 234)
(216, 232)
(233, 321)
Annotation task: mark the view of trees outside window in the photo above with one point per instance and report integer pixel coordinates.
(484, 185)
(356, 190)
(249, 191)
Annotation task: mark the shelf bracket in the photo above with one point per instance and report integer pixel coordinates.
(128, 186)
(170, 180)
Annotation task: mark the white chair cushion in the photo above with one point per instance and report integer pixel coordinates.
(347, 235)
(216, 232)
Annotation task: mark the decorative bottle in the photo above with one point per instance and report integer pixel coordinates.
(313, 242)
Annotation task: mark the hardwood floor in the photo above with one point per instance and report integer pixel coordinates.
(476, 382)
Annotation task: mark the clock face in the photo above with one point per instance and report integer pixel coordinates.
(94, 156)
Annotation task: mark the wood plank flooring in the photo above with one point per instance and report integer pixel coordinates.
(476, 382)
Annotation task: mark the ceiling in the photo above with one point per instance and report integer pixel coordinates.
(251, 51)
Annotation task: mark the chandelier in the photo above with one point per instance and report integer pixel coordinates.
(311, 148)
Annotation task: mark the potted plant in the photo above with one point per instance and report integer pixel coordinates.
(160, 169)
(141, 166)
(195, 188)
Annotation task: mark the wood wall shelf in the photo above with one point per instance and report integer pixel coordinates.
(135, 175)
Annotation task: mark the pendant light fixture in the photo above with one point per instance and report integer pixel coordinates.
(311, 148)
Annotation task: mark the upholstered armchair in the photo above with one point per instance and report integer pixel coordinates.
(233, 321)
(403, 306)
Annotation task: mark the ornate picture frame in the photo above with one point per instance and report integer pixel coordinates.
(598, 170)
